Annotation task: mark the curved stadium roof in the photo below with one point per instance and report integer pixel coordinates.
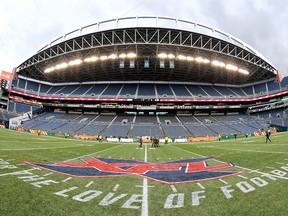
(175, 49)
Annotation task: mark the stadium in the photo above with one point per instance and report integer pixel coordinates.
(211, 95)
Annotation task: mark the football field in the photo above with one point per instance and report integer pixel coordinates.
(43, 175)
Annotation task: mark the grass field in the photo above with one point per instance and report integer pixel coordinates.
(259, 185)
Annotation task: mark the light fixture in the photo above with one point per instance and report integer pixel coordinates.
(182, 57)
(122, 55)
(189, 58)
(131, 55)
(104, 57)
(231, 67)
(112, 56)
(162, 55)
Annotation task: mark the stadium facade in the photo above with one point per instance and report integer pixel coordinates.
(148, 76)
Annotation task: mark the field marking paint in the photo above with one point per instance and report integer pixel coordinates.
(89, 184)
(67, 179)
(221, 180)
(276, 163)
(116, 187)
(201, 186)
(173, 188)
(11, 173)
(242, 177)
(48, 174)
(270, 167)
(144, 209)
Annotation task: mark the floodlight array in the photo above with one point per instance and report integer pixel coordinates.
(89, 59)
(202, 60)
(162, 56)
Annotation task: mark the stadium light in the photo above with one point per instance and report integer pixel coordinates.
(122, 55)
(112, 56)
(131, 55)
(231, 67)
(182, 57)
(75, 62)
(218, 63)
(91, 59)
(171, 56)
(61, 66)
(206, 61)
(242, 71)
(104, 57)
(48, 70)
(199, 59)
(162, 55)
(189, 58)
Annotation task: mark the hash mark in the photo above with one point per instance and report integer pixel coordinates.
(47, 174)
(10, 160)
(276, 162)
(201, 186)
(116, 187)
(269, 167)
(223, 181)
(242, 177)
(89, 184)
(67, 179)
(173, 188)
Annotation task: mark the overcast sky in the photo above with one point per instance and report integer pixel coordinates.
(27, 25)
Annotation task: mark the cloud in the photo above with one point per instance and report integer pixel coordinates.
(28, 25)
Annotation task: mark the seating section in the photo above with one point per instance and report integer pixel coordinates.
(145, 90)
(20, 108)
(147, 125)
(260, 88)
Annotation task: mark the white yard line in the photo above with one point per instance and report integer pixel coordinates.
(144, 210)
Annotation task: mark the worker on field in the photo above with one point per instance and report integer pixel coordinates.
(166, 139)
(140, 141)
(38, 132)
(219, 137)
(267, 134)
(100, 137)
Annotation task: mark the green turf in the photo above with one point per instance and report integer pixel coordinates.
(20, 195)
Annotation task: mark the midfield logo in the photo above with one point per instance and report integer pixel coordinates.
(173, 172)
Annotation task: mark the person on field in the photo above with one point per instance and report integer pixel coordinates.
(166, 139)
(100, 137)
(140, 141)
(219, 137)
(39, 132)
(267, 134)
